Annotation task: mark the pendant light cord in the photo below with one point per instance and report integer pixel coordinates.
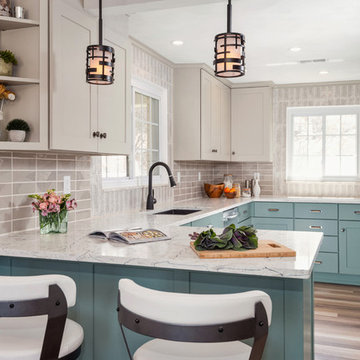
(229, 13)
(100, 23)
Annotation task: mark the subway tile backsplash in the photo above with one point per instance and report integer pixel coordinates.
(190, 187)
(24, 173)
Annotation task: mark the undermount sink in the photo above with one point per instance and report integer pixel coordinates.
(177, 212)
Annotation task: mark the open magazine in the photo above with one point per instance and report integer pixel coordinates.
(131, 236)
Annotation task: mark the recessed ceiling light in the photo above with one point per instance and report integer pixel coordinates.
(295, 49)
(323, 72)
(177, 42)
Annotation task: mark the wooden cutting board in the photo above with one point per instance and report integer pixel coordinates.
(266, 248)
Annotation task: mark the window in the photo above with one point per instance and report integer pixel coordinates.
(149, 134)
(323, 143)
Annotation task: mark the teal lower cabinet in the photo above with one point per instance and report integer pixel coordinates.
(247, 222)
(327, 263)
(273, 223)
(213, 220)
(349, 244)
(97, 292)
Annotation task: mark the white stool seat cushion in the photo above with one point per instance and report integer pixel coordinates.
(171, 350)
(22, 338)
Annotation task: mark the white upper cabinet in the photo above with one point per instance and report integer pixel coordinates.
(85, 117)
(73, 102)
(251, 124)
(215, 119)
(201, 116)
(114, 102)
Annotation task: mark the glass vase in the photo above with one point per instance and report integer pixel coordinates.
(54, 223)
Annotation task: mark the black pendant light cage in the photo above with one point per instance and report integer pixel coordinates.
(229, 51)
(100, 59)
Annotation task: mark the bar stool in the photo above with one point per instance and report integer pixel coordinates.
(33, 318)
(193, 327)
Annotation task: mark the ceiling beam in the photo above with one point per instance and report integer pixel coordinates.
(120, 7)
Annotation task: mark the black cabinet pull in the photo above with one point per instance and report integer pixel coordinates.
(214, 150)
(103, 136)
(96, 134)
(233, 152)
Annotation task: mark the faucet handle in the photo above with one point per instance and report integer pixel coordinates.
(153, 196)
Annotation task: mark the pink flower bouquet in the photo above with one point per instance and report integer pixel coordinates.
(53, 210)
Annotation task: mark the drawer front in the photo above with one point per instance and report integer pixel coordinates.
(326, 262)
(274, 209)
(330, 244)
(316, 211)
(213, 220)
(349, 212)
(273, 224)
(244, 212)
(328, 227)
(247, 222)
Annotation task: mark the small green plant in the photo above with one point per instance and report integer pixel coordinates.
(18, 124)
(8, 57)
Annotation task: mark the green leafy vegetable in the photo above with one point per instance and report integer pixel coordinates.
(232, 238)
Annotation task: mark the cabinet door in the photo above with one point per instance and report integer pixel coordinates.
(349, 246)
(114, 102)
(73, 102)
(251, 124)
(215, 119)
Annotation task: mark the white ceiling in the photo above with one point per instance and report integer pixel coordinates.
(328, 29)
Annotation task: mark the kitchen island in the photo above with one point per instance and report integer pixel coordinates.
(97, 265)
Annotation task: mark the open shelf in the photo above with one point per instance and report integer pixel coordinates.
(11, 23)
(13, 80)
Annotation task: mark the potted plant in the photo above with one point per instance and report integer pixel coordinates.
(53, 211)
(17, 129)
(7, 60)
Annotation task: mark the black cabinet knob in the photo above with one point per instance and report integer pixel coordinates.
(103, 136)
(96, 134)
(233, 152)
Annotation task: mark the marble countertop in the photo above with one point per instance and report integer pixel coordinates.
(173, 254)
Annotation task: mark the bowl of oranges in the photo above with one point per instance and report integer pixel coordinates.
(230, 193)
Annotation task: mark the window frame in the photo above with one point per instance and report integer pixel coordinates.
(157, 92)
(323, 111)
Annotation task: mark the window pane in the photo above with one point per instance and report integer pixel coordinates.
(348, 145)
(348, 124)
(301, 145)
(314, 167)
(332, 166)
(114, 166)
(155, 137)
(349, 166)
(333, 124)
(300, 125)
(299, 166)
(315, 145)
(332, 147)
(315, 125)
(155, 111)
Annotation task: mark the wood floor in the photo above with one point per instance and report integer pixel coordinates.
(337, 322)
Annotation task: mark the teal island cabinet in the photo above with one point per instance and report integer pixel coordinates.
(96, 265)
